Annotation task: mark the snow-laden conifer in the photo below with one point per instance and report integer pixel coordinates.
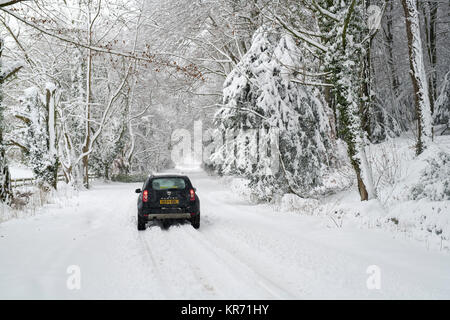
(276, 131)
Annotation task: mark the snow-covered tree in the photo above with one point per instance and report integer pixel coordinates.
(5, 187)
(5, 73)
(37, 137)
(442, 106)
(337, 32)
(109, 148)
(418, 75)
(347, 32)
(266, 112)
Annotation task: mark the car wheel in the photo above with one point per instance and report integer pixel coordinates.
(140, 224)
(196, 221)
(166, 224)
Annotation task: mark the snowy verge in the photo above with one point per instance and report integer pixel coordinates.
(413, 194)
(30, 201)
(239, 188)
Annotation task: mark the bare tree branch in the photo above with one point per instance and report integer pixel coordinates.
(4, 3)
(4, 75)
(150, 59)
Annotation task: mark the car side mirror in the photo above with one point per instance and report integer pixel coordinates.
(138, 190)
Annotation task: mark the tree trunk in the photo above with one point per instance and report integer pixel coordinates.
(359, 163)
(418, 76)
(106, 171)
(433, 52)
(365, 93)
(362, 188)
(390, 48)
(429, 10)
(87, 140)
(51, 134)
(5, 178)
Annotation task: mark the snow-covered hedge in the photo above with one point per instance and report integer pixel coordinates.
(434, 181)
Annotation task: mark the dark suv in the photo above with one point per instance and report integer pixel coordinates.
(168, 197)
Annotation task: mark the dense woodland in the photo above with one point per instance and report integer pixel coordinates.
(99, 86)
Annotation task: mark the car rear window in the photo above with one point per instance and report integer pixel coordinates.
(168, 183)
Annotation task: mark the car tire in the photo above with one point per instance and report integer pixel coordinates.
(195, 222)
(140, 224)
(165, 224)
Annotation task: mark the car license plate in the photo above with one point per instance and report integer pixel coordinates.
(168, 201)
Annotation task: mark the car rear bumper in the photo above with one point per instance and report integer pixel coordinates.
(152, 216)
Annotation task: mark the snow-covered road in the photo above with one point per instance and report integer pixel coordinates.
(241, 251)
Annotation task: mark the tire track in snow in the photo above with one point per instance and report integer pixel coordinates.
(251, 262)
(238, 266)
(154, 266)
(175, 274)
(200, 276)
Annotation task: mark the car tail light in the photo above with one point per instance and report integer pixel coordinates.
(192, 195)
(145, 196)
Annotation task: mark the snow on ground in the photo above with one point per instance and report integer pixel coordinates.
(29, 201)
(19, 172)
(413, 194)
(241, 251)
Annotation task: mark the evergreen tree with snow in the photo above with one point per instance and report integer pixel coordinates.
(290, 120)
(38, 137)
(344, 26)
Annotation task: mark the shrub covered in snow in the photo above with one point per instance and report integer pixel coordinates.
(292, 202)
(442, 108)
(434, 183)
